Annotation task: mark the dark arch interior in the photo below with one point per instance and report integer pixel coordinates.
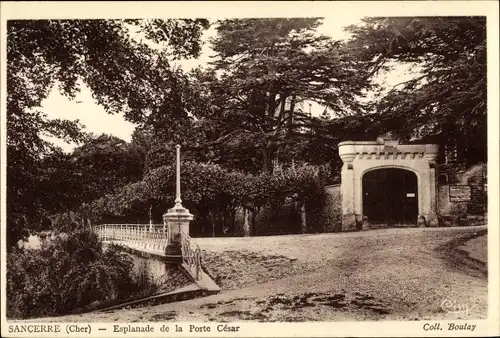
(390, 196)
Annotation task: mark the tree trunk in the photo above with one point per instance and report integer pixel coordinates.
(271, 104)
(252, 224)
(213, 224)
(224, 229)
(204, 220)
(303, 216)
(246, 224)
(265, 165)
(291, 114)
(233, 217)
(267, 158)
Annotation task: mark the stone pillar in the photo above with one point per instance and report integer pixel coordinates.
(431, 153)
(246, 222)
(176, 220)
(432, 220)
(150, 218)
(347, 186)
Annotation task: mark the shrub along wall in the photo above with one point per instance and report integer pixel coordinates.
(68, 273)
(332, 209)
(224, 202)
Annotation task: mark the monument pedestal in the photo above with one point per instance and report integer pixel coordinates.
(177, 222)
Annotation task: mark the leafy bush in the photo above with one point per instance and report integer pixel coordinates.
(67, 273)
(213, 194)
(64, 222)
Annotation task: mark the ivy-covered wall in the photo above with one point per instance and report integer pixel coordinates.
(462, 196)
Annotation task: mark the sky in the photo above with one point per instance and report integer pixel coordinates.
(96, 120)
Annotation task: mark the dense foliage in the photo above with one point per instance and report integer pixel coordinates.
(446, 100)
(66, 273)
(254, 160)
(125, 74)
(263, 70)
(212, 193)
(240, 120)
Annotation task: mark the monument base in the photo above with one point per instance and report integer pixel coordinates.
(173, 253)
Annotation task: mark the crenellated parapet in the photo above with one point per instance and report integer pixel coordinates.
(386, 149)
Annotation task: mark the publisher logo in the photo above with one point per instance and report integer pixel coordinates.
(461, 310)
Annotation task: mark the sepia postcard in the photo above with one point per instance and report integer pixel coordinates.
(250, 169)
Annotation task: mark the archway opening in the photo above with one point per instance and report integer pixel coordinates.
(390, 196)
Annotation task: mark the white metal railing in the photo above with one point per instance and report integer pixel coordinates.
(191, 254)
(152, 237)
(147, 236)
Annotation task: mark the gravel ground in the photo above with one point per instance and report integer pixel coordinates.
(390, 274)
(475, 248)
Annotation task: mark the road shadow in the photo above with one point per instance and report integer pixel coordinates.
(460, 259)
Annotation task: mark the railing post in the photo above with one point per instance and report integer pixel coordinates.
(141, 236)
(196, 265)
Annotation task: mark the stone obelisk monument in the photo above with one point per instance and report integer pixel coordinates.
(176, 219)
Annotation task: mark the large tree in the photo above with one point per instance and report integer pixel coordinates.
(263, 69)
(111, 57)
(446, 99)
(125, 74)
(99, 166)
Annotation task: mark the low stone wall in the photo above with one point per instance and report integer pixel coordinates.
(155, 269)
(162, 282)
(467, 211)
(150, 265)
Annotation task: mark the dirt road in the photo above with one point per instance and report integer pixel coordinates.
(391, 274)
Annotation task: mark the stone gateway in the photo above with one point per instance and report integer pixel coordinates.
(384, 181)
(388, 183)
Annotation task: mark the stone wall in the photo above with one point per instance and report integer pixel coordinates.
(156, 270)
(471, 210)
(451, 213)
(150, 265)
